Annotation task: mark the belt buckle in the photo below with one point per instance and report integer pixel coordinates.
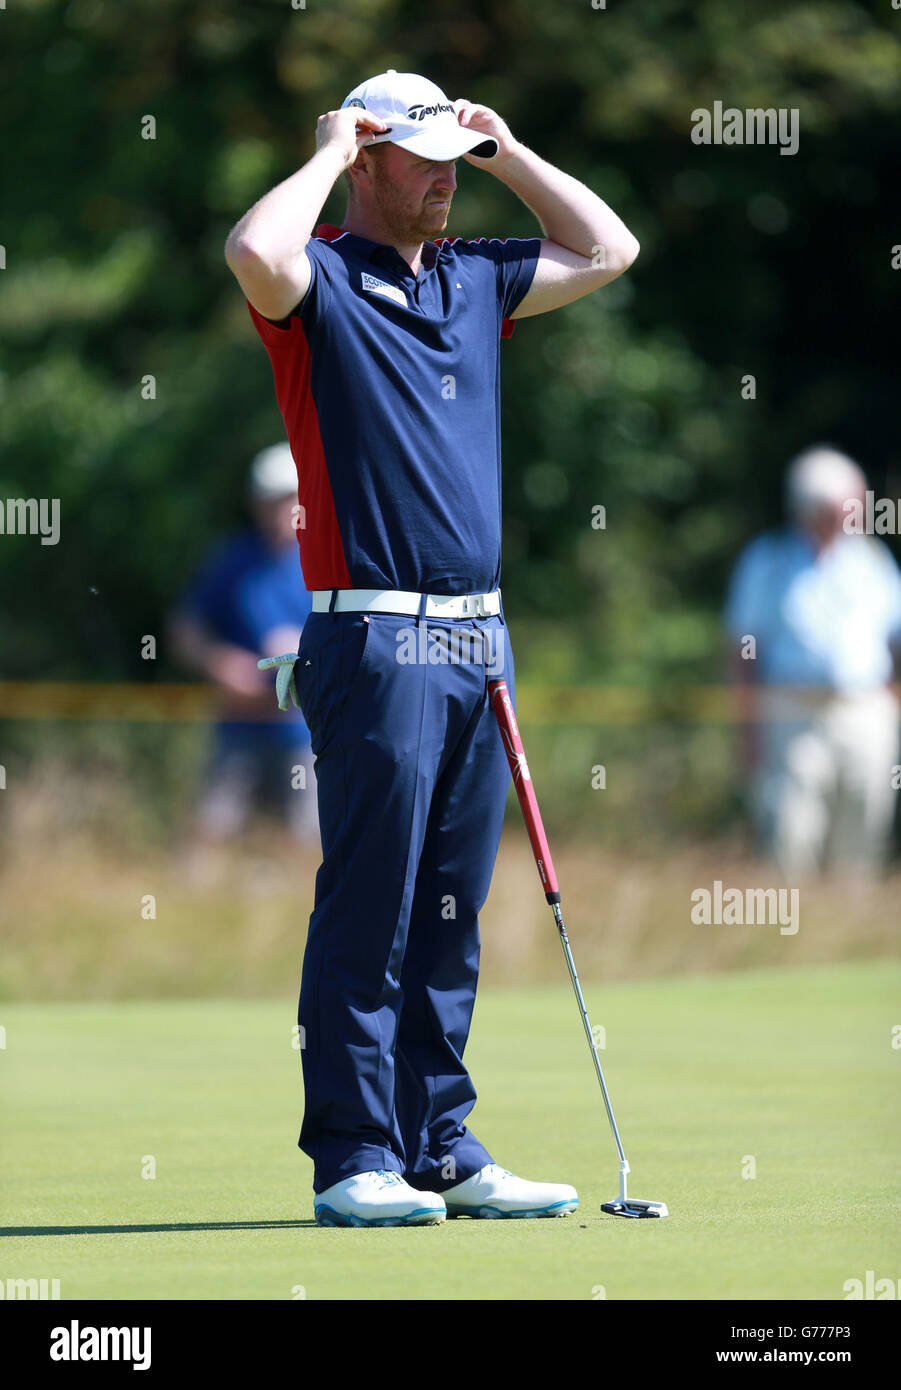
(474, 606)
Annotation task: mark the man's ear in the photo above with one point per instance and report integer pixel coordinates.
(363, 168)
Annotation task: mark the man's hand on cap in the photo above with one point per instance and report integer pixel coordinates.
(486, 122)
(339, 129)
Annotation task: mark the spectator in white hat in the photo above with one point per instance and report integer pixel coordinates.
(247, 601)
(814, 619)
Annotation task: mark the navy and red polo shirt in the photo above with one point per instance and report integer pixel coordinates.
(389, 387)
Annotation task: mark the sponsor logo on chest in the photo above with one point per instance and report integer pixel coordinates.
(373, 286)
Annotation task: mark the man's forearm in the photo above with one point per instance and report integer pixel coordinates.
(278, 227)
(569, 213)
(191, 643)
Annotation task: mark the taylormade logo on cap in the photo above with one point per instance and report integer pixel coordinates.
(418, 113)
(419, 117)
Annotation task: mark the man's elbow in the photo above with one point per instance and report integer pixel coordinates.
(248, 258)
(239, 254)
(625, 254)
(611, 259)
(255, 275)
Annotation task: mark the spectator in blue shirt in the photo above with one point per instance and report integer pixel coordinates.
(814, 618)
(247, 601)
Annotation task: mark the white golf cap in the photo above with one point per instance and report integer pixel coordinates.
(419, 117)
(273, 474)
(822, 476)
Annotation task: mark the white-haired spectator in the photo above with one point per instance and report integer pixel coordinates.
(814, 617)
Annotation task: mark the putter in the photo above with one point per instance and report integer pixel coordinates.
(623, 1205)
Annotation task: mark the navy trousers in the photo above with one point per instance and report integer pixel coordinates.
(411, 781)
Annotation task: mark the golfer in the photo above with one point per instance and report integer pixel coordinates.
(384, 343)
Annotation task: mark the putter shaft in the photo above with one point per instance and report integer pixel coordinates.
(564, 942)
(525, 791)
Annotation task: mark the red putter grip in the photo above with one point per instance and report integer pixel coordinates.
(522, 781)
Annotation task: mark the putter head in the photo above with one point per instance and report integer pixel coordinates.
(633, 1206)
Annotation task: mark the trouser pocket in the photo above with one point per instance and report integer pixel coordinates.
(331, 659)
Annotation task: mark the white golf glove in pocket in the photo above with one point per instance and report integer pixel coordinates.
(284, 680)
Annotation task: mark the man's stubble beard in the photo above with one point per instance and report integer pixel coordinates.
(408, 224)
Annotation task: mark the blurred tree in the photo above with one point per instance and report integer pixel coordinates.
(752, 263)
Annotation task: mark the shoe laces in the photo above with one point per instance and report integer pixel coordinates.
(386, 1178)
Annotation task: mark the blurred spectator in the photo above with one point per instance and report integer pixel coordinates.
(248, 601)
(812, 616)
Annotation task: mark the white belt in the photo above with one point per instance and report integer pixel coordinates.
(405, 601)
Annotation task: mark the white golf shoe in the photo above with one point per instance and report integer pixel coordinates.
(378, 1198)
(494, 1192)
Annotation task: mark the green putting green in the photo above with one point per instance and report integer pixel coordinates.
(790, 1075)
